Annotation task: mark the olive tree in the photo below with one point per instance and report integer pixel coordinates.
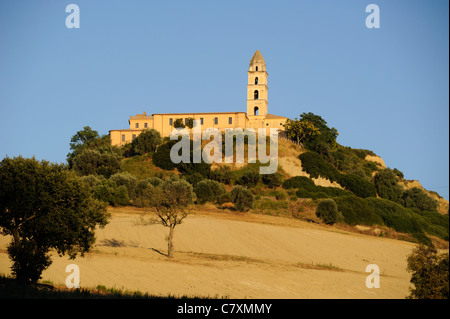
(171, 202)
(43, 206)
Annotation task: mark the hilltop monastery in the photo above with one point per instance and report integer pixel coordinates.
(256, 116)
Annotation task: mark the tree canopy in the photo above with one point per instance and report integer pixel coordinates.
(44, 206)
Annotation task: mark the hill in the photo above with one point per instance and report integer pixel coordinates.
(235, 255)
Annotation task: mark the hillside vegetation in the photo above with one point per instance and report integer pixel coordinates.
(355, 181)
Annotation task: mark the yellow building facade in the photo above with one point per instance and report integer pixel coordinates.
(256, 116)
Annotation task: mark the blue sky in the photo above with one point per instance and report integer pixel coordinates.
(384, 89)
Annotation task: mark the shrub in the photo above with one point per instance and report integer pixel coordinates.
(327, 211)
(146, 196)
(223, 174)
(209, 191)
(386, 183)
(358, 185)
(90, 180)
(417, 198)
(127, 180)
(398, 217)
(194, 178)
(249, 179)
(272, 180)
(321, 192)
(357, 210)
(316, 166)
(161, 157)
(110, 193)
(242, 198)
(143, 184)
(280, 196)
(299, 182)
(225, 198)
(268, 204)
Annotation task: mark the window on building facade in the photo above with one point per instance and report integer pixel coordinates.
(255, 94)
(134, 136)
(230, 120)
(145, 125)
(123, 137)
(256, 68)
(170, 121)
(256, 80)
(216, 120)
(201, 121)
(256, 111)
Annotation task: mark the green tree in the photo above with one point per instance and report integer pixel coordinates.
(90, 139)
(91, 161)
(242, 198)
(80, 140)
(327, 136)
(171, 202)
(300, 130)
(161, 157)
(327, 211)
(146, 142)
(178, 123)
(44, 206)
(429, 273)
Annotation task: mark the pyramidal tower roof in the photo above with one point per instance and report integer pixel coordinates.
(257, 57)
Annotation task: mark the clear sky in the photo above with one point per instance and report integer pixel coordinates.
(384, 89)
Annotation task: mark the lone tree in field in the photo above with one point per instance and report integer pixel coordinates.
(43, 206)
(171, 201)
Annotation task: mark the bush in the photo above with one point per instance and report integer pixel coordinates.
(386, 183)
(249, 179)
(209, 191)
(161, 157)
(316, 166)
(417, 198)
(358, 185)
(242, 198)
(299, 182)
(272, 180)
(280, 196)
(398, 217)
(317, 192)
(147, 194)
(127, 180)
(223, 174)
(110, 193)
(327, 211)
(194, 178)
(357, 210)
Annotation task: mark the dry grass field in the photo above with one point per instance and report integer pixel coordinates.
(224, 254)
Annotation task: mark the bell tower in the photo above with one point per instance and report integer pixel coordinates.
(257, 86)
